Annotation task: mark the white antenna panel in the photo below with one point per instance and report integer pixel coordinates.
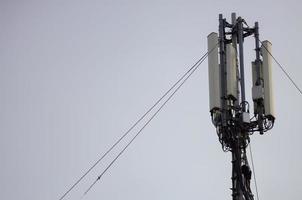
(214, 74)
(266, 50)
(231, 72)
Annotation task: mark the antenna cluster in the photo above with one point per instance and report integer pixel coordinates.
(230, 111)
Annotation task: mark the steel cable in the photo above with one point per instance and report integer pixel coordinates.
(134, 125)
(151, 118)
(282, 68)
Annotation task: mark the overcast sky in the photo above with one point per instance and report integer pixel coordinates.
(74, 75)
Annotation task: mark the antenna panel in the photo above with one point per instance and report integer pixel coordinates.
(266, 50)
(257, 90)
(231, 68)
(213, 69)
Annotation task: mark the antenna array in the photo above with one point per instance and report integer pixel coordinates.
(230, 111)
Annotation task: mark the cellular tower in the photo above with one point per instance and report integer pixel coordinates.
(229, 108)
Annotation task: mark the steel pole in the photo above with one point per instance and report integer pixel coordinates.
(257, 49)
(241, 60)
(222, 69)
(259, 81)
(234, 43)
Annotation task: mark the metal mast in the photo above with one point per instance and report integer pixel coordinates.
(229, 108)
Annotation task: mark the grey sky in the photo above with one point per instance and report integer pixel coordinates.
(75, 74)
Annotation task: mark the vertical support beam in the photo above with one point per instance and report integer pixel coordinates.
(234, 137)
(241, 60)
(222, 69)
(257, 49)
(258, 76)
(241, 134)
(234, 43)
(234, 36)
(235, 192)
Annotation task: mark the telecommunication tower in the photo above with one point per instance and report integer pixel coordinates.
(230, 111)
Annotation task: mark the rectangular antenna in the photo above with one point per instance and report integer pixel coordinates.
(257, 89)
(214, 82)
(231, 68)
(266, 50)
